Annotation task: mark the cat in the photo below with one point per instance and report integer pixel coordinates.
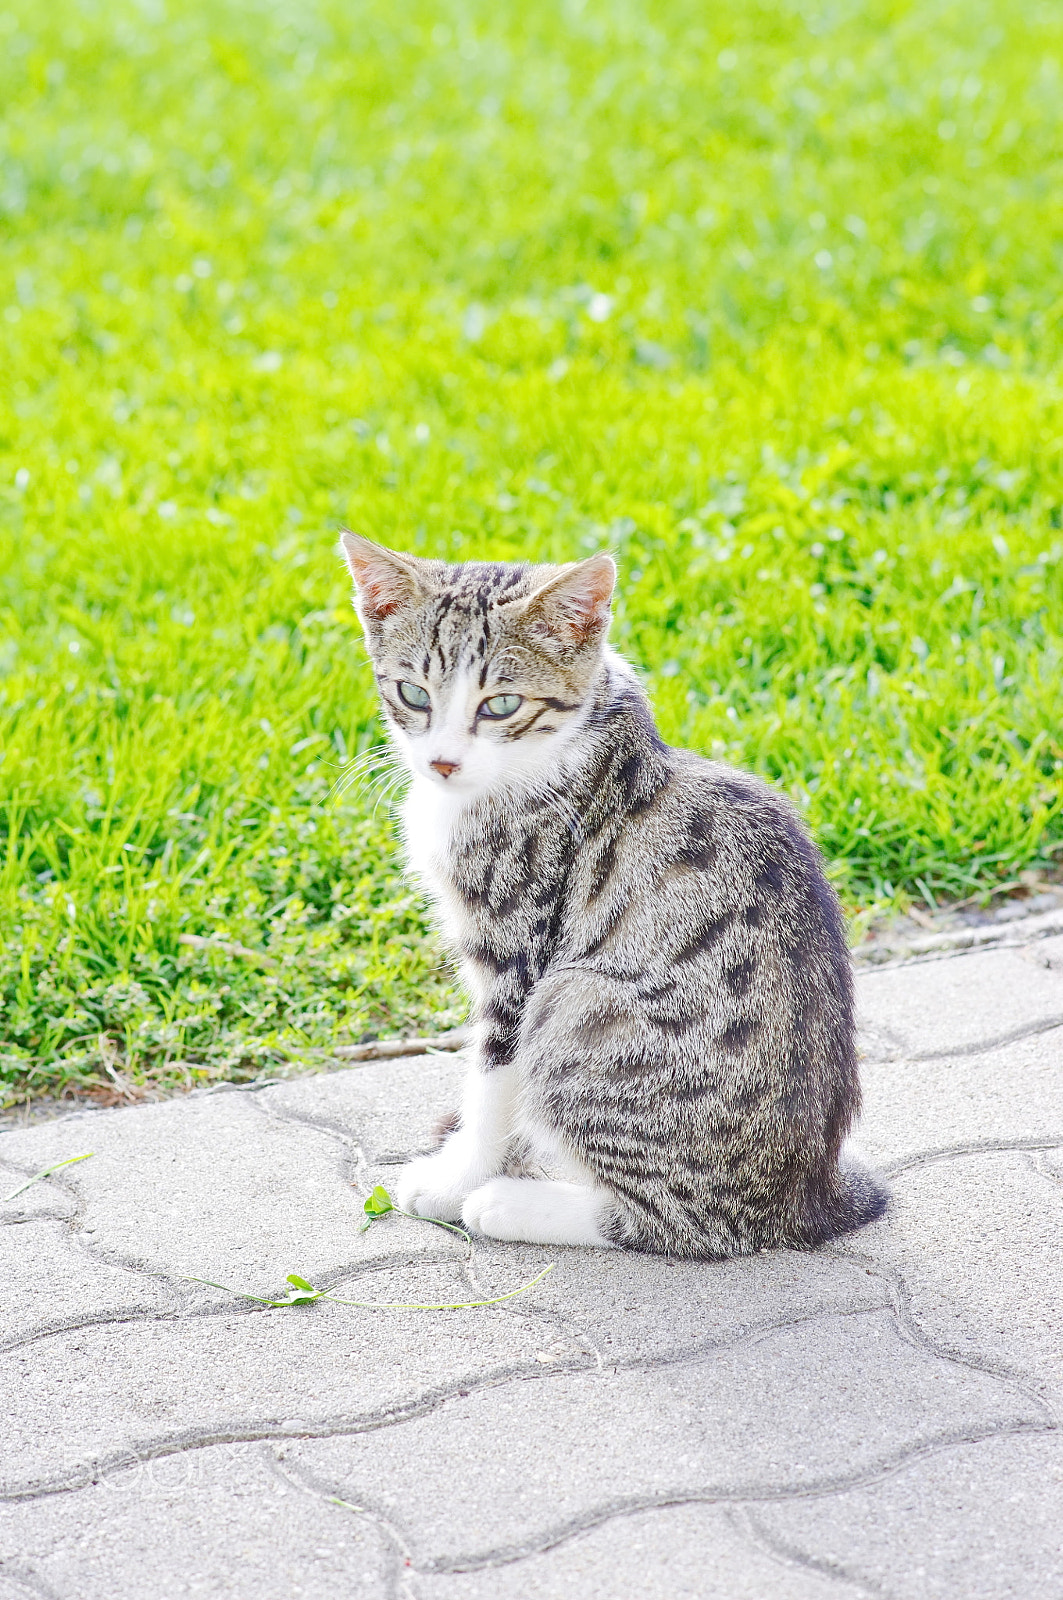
(661, 990)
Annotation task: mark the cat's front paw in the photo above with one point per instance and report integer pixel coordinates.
(437, 1186)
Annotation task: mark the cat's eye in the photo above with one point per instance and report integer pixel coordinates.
(501, 705)
(412, 695)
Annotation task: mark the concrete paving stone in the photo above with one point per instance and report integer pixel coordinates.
(629, 1307)
(553, 1446)
(50, 1282)
(206, 1522)
(213, 1186)
(14, 1587)
(792, 1408)
(974, 1522)
(389, 1108)
(1050, 1162)
(914, 1107)
(1046, 953)
(977, 1241)
(959, 1002)
(85, 1397)
(691, 1552)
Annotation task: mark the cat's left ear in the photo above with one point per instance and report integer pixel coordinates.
(574, 606)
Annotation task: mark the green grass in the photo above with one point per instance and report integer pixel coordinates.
(766, 297)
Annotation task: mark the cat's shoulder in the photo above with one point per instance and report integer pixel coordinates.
(714, 782)
(729, 800)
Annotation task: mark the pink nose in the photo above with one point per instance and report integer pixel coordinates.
(444, 768)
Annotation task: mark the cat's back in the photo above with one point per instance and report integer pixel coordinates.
(759, 868)
(715, 840)
(745, 831)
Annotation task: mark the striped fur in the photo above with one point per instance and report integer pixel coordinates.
(655, 958)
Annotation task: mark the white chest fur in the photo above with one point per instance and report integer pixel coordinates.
(428, 817)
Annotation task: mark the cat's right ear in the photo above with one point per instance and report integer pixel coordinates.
(385, 582)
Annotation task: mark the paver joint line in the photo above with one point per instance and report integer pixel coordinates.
(910, 1331)
(39, 1177)
(177, 1282)
(225, 1308)
(552, 1318)
(100, 1319)
(27, 1582)
(304, 1119)
(306, 1482)
(1038, 1166)
(598, 1516)
(418, 1406)
(790, 1555)
(254, 1431)
(980, 1047)
(415, 1408)
(301, 1477)
(978, 1147)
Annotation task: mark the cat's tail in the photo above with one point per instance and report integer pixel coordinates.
(865, 1196)
(860, 1197)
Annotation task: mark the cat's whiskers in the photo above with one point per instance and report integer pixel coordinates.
(371, 757)
(385, 774)
(348, 773)
(368, 767)
(383, 783)
(388, 790)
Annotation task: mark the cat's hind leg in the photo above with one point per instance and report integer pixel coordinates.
(540, 1211)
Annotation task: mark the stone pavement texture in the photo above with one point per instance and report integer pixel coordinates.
(880, 1418)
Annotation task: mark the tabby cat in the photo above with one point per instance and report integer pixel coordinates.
(664, 1049)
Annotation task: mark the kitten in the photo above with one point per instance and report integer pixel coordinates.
(661, 988)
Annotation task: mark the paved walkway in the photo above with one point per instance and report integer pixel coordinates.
(880, 1418)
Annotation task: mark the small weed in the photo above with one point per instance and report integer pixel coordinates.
(378, 1204)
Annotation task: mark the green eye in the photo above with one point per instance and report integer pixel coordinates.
(411, 694)
(501, 705)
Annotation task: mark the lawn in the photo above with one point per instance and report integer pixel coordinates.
(766, 297)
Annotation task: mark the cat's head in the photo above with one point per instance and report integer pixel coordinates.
(485, 669)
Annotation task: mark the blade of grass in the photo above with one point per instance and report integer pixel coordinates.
(45, 1173)
(303, 1294)
(446, 1305)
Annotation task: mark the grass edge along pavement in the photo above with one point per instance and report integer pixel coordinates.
(766, 302)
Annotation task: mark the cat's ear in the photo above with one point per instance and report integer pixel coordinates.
(386, 581)
(574, 605)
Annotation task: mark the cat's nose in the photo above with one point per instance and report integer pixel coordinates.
(444, 768)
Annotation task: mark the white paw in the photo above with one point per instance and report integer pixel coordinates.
(537, 1211)
(436, 1186)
